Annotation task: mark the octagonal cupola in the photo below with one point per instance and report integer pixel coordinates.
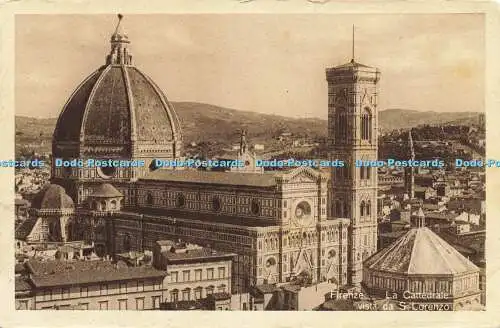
(105, 198)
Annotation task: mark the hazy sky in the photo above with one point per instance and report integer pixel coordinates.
(263, 62)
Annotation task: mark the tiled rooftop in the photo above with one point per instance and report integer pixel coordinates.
(195, 254)
(60, 273)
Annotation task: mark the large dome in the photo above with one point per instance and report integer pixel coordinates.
(115, 103)
(117, 106)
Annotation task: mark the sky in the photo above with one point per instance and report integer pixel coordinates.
(266, 63)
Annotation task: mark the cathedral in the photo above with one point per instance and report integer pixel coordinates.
(283, 225)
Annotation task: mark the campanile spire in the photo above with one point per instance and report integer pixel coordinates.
(119, 54)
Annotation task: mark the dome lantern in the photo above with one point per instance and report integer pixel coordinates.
(119, 54)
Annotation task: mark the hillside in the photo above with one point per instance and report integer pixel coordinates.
(391, 119)
(218, 125)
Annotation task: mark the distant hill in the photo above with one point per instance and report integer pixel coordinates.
(403, 118)
(204, 122)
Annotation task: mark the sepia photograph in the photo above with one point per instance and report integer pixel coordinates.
(250, 162)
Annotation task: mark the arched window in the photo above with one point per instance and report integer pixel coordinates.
(368, 207)
(340, 125)
(362, 208)
(180, 201)
(366, 123)
(113, 204)
(103, 206)
(127, 243)
(149, 199)
(346, 172)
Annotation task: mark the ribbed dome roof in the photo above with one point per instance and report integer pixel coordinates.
(52, 196)
(106, 190)
(420, 251)
(118, 105)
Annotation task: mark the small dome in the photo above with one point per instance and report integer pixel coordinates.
(106, 190)
(52, 196)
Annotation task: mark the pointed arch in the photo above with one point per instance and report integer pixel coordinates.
(340, 124)
(362, 208)
(338, 209)
(345, 213)
(366, 124)
(127, 243)
(149, 199)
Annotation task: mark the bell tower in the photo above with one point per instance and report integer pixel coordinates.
(352, 136)
(409, 172)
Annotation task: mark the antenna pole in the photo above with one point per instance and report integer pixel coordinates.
(120, 17)
(352, 43)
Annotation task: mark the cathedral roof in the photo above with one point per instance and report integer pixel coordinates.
(52, 196)
(106, 190)
(208, 177)
(420, 252)
(117, 104)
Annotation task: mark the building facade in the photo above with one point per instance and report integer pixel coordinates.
(277, 223)
(89, 285)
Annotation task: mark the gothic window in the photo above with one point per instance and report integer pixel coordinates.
(255, 207)
(366, 123)
(362, 208)
(346, 211)
(340, 124)
(180, 201)
(368, 208)
(365, 173)
(216, 204)
(126, 243)
(149, 199)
